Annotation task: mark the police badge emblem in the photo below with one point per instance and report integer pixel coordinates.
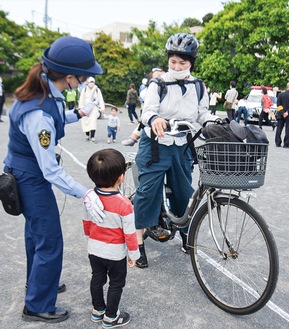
(44, 138)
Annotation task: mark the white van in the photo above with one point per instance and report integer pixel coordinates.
(254, 102)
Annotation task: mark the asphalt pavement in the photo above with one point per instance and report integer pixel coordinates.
(165, 295)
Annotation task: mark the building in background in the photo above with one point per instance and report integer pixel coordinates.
(117, 31)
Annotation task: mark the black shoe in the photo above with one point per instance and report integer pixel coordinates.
(142, 262)
(286, 146)
(49, 317)
(184, 247)
(122, 319)
(61, 288)
(1, 120)
(278, 145)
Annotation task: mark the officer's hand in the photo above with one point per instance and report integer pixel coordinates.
(94, 206)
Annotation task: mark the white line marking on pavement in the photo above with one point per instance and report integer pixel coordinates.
(72, 156)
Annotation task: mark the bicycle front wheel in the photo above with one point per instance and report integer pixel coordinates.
(129, 185)
(241, 278)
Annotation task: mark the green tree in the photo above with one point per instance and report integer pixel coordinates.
(31, 46)
(20, 47)
(246, 42)
(120, 69)
(189, 22)
(207, 18)
(10, 34)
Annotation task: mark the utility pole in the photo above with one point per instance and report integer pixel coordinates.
(46, 18)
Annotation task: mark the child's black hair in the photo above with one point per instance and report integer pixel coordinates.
(105, 166)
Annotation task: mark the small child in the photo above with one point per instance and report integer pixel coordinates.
(112, 243)
(113, 124)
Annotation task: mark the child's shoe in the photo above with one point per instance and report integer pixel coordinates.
(108, 141)
(129, 142)
(97, 316)
(121, 319)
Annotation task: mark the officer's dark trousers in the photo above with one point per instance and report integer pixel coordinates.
(43, 241)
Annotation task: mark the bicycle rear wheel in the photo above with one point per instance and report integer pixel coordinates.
(242, 278)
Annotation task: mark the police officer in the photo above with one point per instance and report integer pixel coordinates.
(283, 118)
(37, 120)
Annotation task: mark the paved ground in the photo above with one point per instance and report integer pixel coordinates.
(166, 295)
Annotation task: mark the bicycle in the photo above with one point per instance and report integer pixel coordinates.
(233, 252)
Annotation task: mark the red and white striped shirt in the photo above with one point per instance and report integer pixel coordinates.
(115, 237)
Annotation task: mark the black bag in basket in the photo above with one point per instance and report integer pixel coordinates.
(9, 194)
(223, 157)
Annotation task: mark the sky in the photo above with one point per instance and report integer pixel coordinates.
(78, 17)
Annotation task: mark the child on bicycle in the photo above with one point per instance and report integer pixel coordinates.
(180, 102)
(112, 243)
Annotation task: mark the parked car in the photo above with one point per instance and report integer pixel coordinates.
(254, 102)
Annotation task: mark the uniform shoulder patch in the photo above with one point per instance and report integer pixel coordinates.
(44, 138)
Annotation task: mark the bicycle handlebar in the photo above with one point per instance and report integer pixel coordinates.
(174, 124)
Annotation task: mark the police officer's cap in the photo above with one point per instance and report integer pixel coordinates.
(71, 55)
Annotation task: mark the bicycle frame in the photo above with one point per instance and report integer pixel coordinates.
(193, 204)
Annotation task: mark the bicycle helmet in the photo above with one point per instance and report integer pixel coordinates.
(71, 55)
(182, 43)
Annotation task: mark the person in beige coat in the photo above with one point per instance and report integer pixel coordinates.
(91, 93)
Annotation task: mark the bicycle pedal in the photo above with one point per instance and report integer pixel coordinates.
(163, 237)
(161, 233)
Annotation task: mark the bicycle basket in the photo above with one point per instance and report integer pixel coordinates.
(232, 165)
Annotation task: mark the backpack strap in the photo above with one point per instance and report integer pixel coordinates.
(154, 149)
(162, 86)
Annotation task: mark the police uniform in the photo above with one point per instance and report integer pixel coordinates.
(282, 107)
(34, 132)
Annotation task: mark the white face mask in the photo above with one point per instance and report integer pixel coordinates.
(180, 75)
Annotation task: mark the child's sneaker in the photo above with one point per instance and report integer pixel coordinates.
(121, 319)
(96, 316)
(129, 142)
(108, 141)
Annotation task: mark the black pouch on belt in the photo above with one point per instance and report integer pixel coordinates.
(9, 194)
